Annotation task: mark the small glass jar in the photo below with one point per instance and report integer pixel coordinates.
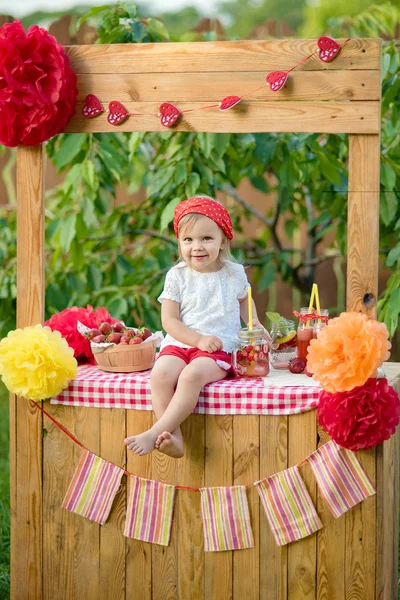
(284, 344)
(250, 355)
(320, 323)
(305, 333)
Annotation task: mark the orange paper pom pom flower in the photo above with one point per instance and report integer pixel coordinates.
(348, 351)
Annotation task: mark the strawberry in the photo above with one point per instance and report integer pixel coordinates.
(114, 338)
(144, 333)
(249, 348)
(118, 327)
(93, 333)
(257, 348)
(99, 339)
(105, 328)
(135, 340)
(124, 340)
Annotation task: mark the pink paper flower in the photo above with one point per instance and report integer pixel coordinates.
(361, 418)
(66, 323)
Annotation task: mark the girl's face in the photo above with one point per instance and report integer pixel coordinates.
(200, 244)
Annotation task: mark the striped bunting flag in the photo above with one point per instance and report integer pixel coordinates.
(341, 479)
(93, 488)
(150, 510)
(226, 518)
(288, 506)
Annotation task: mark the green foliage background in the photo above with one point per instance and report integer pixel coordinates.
(116, 256)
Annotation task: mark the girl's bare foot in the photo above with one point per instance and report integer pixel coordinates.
(169, 444)
(143, 443)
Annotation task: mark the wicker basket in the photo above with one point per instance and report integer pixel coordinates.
(127, 359)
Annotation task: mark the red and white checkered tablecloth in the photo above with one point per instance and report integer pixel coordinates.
(98, 389)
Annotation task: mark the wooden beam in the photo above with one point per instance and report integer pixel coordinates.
(26, 420)
(363, 224)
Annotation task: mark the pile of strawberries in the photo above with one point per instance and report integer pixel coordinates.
(252, 354)
(118, 334)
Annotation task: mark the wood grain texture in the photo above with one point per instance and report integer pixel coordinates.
(190, 547)
(165, 559)
(209, 87)
(387, 498)
(331, 540)
(59, 463)
(181, 57)
(246, 470)
(26, 420)
(273, 558)
(302, 555)
(138, 554)
(218, 578)
(112, 542)
(363, 222)
(323, 117)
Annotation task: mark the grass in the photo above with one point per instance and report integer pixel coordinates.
(4, 495)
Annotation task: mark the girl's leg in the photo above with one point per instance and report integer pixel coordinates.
(193, 377)
(163, 378)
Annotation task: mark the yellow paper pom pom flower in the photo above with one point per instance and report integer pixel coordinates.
(36, 362)
(348, 351)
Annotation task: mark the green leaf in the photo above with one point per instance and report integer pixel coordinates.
(274, 317)
(328, 169)
(138, 30)
(73, 178)
(125, 264)
(385, 65)
(89, 174)
(55, 298)
(67, 232)
(167, 214)
(192, 185)
(157, 28)
(388, 177)
(392, 311)
(388, 207)
(206, 143)
(70, 146)
(393, 256)
(180, 173)
(94, 277)
(92, 12)
(260, 183)
(118, 308)
(221, 143)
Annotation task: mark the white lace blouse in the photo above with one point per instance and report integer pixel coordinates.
(209, 302)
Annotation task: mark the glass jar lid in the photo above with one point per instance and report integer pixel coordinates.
(246, 334)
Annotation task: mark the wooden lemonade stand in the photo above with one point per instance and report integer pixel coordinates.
(55, 554)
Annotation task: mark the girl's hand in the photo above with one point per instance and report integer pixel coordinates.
(266, 333)
(209, 343)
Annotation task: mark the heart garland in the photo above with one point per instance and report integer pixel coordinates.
(170, 114)
(92, 106)
(276, 80)
(116, 113)
(328, 48)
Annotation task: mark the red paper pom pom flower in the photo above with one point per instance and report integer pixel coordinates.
(38, 91)
(66, 323)
(361, 418)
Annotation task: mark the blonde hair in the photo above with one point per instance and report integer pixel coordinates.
(189, 220)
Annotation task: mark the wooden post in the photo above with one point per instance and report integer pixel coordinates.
(25, 419)
(363, 224)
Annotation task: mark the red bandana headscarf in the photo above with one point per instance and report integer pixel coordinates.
(208, 207)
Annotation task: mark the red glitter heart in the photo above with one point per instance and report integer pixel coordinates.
(169, 114)
(92, 106)
(229, 102)
(328, 48)
(276, 80)
(116, 113)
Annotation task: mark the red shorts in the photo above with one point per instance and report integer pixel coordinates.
(223, 359)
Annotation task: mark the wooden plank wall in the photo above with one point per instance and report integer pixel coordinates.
(337, 97)
(85, 561)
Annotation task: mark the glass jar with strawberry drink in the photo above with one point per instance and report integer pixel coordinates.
(284, 343)
(320, 323)
(305, 332)
(250, 355)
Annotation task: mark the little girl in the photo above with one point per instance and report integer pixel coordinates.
(203, 300)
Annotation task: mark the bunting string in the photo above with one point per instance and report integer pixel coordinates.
(328, 49)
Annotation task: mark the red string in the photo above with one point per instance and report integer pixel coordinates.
(304, 317)
(188, 110)
(74, 439)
